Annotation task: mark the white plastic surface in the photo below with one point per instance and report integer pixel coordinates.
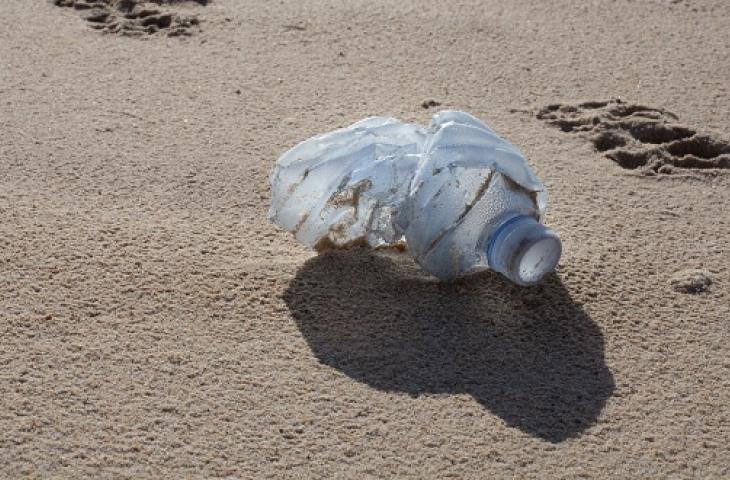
(444, 190)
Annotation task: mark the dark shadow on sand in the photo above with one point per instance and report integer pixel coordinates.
(531, 356)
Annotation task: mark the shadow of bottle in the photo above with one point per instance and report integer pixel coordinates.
(532, 356)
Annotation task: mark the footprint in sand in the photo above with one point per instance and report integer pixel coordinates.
(640, 138)
(136, 17)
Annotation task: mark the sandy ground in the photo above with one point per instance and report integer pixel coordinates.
(153, 324)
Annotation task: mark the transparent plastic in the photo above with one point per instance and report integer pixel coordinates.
(523, 250)
(446, 191)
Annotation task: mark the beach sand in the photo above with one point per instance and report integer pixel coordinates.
(153, 324)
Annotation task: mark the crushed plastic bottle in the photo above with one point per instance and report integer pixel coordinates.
(462, 198)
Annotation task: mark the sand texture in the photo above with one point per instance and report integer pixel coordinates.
(153, 324)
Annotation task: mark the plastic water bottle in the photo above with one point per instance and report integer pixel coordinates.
(460, 197)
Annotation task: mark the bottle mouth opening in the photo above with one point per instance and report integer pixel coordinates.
(524, 250)
(538, 259)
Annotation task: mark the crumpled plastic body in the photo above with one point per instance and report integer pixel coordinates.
(441, 190)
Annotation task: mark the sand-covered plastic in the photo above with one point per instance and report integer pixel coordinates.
(459, 196)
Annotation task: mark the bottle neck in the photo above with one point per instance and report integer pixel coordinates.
(523, 250)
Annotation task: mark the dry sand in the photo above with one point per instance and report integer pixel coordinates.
(154, 325)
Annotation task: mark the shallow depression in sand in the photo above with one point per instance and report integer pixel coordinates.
(641, 138)
(136, 17)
